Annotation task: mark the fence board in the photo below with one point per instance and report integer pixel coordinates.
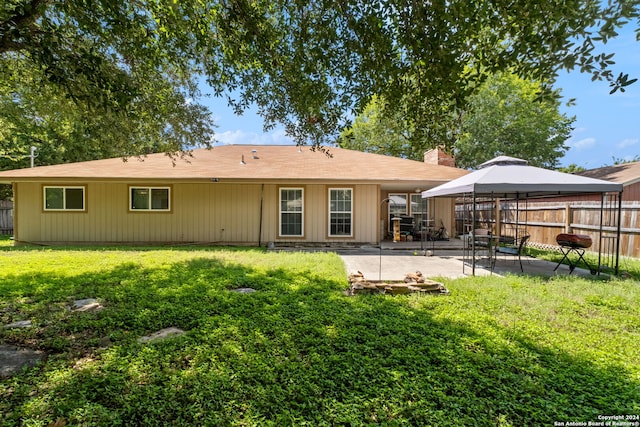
(545, 220)
(6, 217)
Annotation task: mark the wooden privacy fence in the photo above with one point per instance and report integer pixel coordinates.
(6, 217)
(543, 221)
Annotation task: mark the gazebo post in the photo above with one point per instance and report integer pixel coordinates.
(618, 233)
(497, 220)
(473, 238)
(600, 233)
(517, 216)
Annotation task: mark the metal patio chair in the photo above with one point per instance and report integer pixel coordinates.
(514, 251)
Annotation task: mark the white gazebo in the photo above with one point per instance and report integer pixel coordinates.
(510, 178)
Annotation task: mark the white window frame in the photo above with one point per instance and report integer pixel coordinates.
(350, 212)
(64, 189)
(424, 214)
(424, 211)
(150, 189)
(281, 212)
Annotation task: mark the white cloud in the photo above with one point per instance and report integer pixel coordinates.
(583, 143)
(237, 137)
(626, 143)
(579, 130)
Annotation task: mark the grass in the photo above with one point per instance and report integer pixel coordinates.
(498, 351)
(627, 266)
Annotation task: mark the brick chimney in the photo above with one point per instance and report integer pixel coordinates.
(437, 156)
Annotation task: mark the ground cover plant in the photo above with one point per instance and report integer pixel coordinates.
(300, 351)
(627, 266)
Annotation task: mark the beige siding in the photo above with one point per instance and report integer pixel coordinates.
(444, 209)
(269, 213)
(201, 212)
(316, 212)
(365, 213)
(28, 207)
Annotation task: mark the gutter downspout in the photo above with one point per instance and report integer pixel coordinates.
(260, 225)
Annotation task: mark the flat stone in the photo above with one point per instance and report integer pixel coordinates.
(19, 324)
(90, 307)
(82, 302)
(88, 304)
(13, 359)
(397, 290)
(244, 290)
(162, 334)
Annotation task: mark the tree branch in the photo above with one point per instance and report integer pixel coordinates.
(20, 22)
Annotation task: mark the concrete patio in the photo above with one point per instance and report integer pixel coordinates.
(438, 259)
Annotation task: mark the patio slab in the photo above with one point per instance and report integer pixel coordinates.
(385, 264)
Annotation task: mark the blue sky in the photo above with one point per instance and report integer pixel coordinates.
(606, 127)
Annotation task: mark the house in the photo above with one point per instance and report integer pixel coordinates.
(234, 194)
(627, 174)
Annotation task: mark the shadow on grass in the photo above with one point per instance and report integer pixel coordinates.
(298, 351)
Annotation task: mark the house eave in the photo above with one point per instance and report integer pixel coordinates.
(384, 184)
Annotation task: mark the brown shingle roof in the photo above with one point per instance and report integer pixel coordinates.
(265, 163)
(626, 173)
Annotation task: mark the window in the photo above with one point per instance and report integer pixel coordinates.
(64, 198)
(419, 210)
(149, 198)
(340, 212)
(291, 211)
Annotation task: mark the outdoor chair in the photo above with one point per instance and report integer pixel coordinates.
(514, 251)
(481, 237)
(479, 245)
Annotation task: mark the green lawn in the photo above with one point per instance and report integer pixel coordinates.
(627, 266)
(299, 351)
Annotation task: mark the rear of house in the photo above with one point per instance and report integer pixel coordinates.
(244, 195)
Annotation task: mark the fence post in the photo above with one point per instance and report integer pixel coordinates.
(567, 218)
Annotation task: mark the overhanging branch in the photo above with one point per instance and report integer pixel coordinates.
(19, 23)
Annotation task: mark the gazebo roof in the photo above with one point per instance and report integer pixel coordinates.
(509, 177)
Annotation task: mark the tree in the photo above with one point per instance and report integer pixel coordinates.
(507, 117)
(311, 64)
(572, 168)
(622, 161)
(308, 65)
(378, 129)
(374, 132)
(66, 131)
(504, 116)
(84, 81)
